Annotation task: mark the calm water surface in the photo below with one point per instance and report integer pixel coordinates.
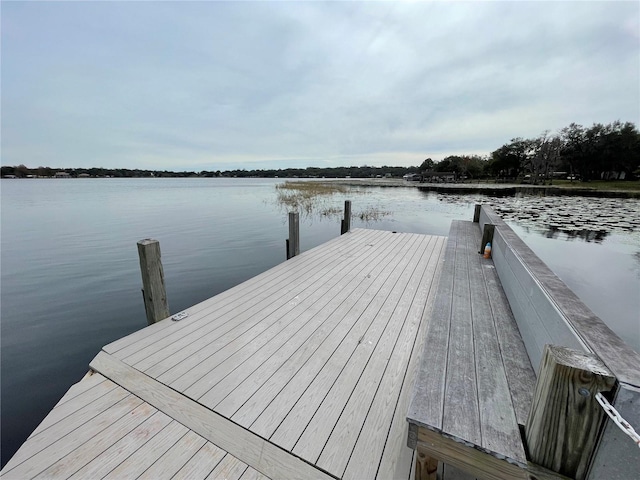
(70, 280)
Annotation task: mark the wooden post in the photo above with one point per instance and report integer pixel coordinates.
(426, 466)
(153, 290)
(487, 236)
(293, 242)
(565, 418)
(346, 221)
(476, 213)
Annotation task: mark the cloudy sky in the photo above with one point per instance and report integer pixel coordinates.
(220, 85)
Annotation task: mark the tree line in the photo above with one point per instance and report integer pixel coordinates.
(602, 151)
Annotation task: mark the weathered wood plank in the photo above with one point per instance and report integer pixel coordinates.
(87, 382)
(461, 416)
(334, 311)
(218, 319)
(397, 338)
(252, 474)
(175, 458)
(482, 345)
(230, 468)
(310, 444)
(206, 348)
(97, 444)
(293, 242)
(84, 401)
(384, 432)
(350, 395)
(498, 424)
(244, 445)
(156, 305)
(467, 458)
(288, 316)
(114, 455)
(565, 419)
(346, 221)
(202, 463)
(519, 370)
(302, 395)
(80, 415)
(32, 461)
(153, 333)
(426, 407)
(135, 465)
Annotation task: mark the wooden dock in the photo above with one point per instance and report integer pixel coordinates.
(341, 361)
(305, 371)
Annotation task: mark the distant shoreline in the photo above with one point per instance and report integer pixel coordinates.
(594, 189)
(490, 188)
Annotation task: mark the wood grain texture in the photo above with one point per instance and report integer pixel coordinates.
(108, 460)
(97, 443)
(466, 457)
(242, 444)
(426, 467)
(81, 406)
(472, 356)
(397, 457)
(426, 407)
(311, 443)
(250, 322)
(97, 413)
(461, 416)
(310, 302)
(321, 319)
(565, 419)
(369, 410)
(318, 353)
(202, 463)
(135, 465)
(378, 437)
(518, 368)
(346, 358)
(498, 425)
(156, 304)
(228, 299)
(175, 458)
(33, 459)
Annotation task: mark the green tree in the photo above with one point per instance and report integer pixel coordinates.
(427, 165)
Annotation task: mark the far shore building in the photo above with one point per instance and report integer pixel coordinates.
(438, 177)
(62, 175)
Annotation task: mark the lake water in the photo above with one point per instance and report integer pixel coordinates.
(70, 280)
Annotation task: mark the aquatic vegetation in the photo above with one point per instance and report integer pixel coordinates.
(325, 200)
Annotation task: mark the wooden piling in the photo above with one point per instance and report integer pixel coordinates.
(476, 213)
(426, 466)
(293, 242)
(565, 418)
(153, 290)
(487, 236)
(346, 221)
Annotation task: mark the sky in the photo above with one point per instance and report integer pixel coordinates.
(222, 85)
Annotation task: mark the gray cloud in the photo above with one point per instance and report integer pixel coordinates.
(208, 85)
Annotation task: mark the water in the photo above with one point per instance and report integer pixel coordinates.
(71, 283)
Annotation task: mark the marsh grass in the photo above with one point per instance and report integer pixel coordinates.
(320, 199)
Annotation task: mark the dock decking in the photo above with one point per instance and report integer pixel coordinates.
(304, 371)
